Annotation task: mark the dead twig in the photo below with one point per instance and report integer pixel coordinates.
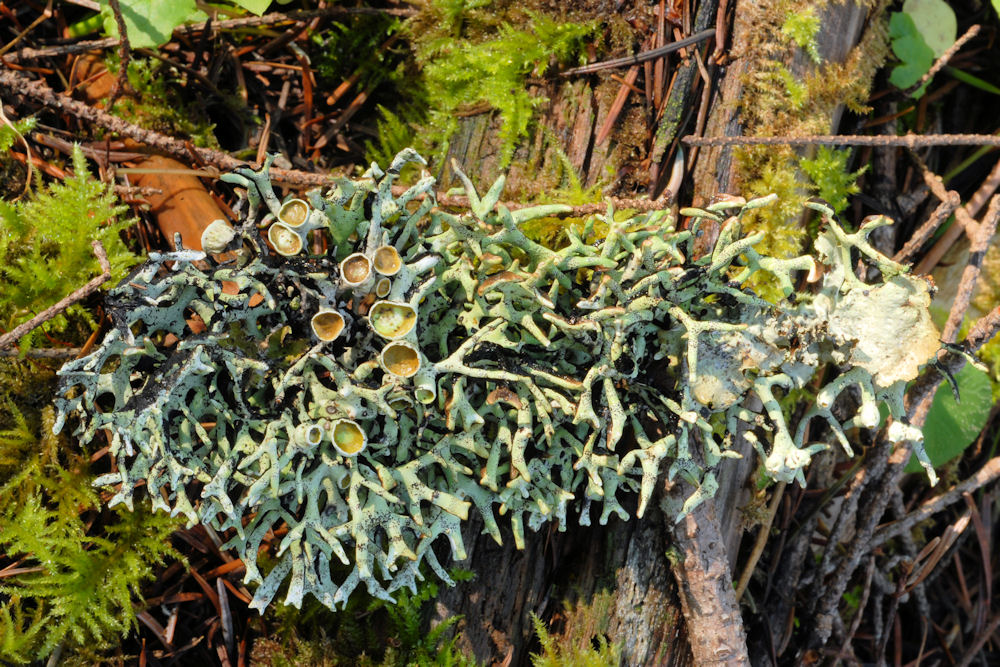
(979, 241)
(124, 55)
(46, 14)
(943, 60)
(9, 338)
(27, 151)
(45, 353)
(981, 640)
(926, 230)
(618, 104)
(859, 614)
(643, 56)
(761, 541)
(990, 472)
(905, 141)
(974, 205)
(213, 28)
(705, 587)
(38, 91)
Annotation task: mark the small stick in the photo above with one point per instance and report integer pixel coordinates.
(124, 55)
(979, 241)
(45, 353)
(926, 230)
(215, 27)
(39, 92)
(27, 151)
(952, 234)
(943, 60)
(643, 56)
(47, 13)
(862, 603)
(906, 141)
(9, 338)
(980, 642)
(617, 105)
(761, 541)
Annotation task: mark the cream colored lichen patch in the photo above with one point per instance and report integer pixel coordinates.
(890, 327)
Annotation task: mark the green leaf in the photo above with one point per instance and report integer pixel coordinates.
(909, 46)
(936, 22)
(972, 80)
(149, 23)
(951, 427)
(258, 7)
(996, 6)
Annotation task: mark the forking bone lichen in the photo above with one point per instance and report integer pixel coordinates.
(426, 364)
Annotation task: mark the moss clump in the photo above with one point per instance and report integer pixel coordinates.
(369, 633)
(79, 568)
(834, 182)
(473, 60)
(780, 102)
(802, 27)
(155, 102)
(583, 641)
(46, 252)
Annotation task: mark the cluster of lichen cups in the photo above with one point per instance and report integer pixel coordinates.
(364, 276)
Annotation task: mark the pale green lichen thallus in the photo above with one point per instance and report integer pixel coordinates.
(429, 364)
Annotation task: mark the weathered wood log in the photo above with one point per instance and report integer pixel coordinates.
(627, 559)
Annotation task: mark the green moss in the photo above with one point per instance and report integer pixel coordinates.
(156, 103)
(830, 175)
(779, 102)
(795, 91)
(801, 28)
(583, 641)
(46, 252)
(470, 59)
(11, 133)
(368, 633)
(79, 569)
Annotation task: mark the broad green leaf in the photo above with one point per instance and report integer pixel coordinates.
(951, 427)
(996, 6)
(936, 22)
(258, 7)
(149, 23)
(909, 46)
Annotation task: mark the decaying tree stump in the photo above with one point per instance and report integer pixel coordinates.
(629, 560)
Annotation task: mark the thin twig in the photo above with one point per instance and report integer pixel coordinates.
(926, 230)
(124, 55)
(943, 60)
(906, 141)
(643, 56)
(761, 541)
(862, 603)
(45, 353)
(291, 17)
(215, 27)
(28, 163)
(952, 234)
(39, 92)
(46, 13)
(9, 338)
(979, 242)
(981, 640)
